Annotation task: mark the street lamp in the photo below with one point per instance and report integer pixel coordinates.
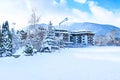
(61, 35)
(66, 19)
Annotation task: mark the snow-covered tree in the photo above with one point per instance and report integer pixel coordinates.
(51, 31)
(23, 35)
(13, 40)
(107, 39)
(111, 37)
(21, 38)
(39, 35)
(6, 42)
(0, 42)
(50, 40)
(16, 40)
(101, 40)
(28, 49)
(34, 19)
(0, 35)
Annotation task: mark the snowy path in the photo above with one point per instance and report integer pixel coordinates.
(94, 63)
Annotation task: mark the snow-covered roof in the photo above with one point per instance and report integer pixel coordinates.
(83, 32)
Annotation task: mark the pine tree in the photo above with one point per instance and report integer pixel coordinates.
(15, 41)
(50, 41)
(0, 36)
(51, 31)
(6, 42)
(0, 42)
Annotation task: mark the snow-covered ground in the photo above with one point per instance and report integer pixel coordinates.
(91, 63)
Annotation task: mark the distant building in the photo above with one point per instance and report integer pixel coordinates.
(75, 37)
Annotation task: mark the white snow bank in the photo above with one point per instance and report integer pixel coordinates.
(99, 53)
(93, 63)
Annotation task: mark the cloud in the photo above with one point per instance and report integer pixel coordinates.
(99, 12)
(28, 4)
(12, 11)
(98, 15)
(63, 2)
(57, 11)
(55, 2)
(83, 16)
(102, 15)
(81, 1)
(52, 11)
(19, 11)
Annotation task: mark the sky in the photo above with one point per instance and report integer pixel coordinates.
(96, 11)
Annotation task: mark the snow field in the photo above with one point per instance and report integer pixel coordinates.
(91, 63)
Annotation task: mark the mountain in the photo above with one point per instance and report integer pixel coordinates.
(98, 29)
(31, 27)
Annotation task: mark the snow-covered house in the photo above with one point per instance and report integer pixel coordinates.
(58, 38)
(76, 37)
(82, 37)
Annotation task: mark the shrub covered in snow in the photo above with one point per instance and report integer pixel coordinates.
(28, 49)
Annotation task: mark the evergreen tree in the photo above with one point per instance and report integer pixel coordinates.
(51, 31)
(0, 36)
(28, 50)
(6, 42)
(0, 42)
(50, 41)
(15, 41)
